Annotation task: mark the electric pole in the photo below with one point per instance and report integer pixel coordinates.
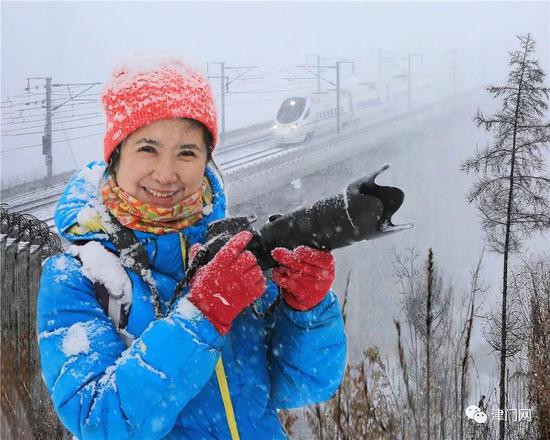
(223, 89)
(454, 71)
(338, 117)
(222, 93)
(407, 71)
(318, 73)
(47, 139)
(338, 97)
(318, 69)
(224, 86)
(337, 85)
(47, 136)
(409, 79)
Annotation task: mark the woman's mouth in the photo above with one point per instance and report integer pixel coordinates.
(160, 196)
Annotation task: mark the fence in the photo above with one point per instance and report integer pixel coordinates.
(25, 410)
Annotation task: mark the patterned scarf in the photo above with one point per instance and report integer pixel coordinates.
(140, 216)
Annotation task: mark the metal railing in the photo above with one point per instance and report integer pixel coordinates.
(25, 410)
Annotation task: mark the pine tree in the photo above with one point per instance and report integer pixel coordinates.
(511, 192)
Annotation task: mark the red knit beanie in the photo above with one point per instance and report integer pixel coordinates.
(144, 90)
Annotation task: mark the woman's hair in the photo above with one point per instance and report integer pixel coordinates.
(206, 136)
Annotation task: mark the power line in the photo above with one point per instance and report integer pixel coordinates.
(64, 117)
(69, 145)
(69, 118)
(26, 89)
(53, 142)
(57, 129)
(268, 91)
(12, 103)
(72, 93)
(80, 104)
(14, 98)
(65, 96)
(259, 101)
(20, 148)
(25, 104)
(55, 117)
(74, 84)
(60, 120)
(73, 97)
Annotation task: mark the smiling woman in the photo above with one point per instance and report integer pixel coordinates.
(118, 358)
(162, 165)
(163, 162)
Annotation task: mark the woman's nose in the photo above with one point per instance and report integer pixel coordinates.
(165, 172)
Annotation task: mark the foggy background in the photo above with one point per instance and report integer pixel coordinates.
(80, 42)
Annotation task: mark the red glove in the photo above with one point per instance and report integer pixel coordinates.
(231, 281)
(305, 275)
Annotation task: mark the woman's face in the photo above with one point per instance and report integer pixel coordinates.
(162, 163)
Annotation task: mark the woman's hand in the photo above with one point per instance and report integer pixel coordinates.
(305, 275)
(231, 281)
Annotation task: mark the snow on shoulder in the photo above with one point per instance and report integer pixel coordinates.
(100, 265)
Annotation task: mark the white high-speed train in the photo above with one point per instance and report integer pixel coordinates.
(300, 118)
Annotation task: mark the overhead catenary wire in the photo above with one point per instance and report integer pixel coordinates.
(57, 129)
(13, 99)
(25, 89)
(22, 117)
(60, 120)
(70, 147)
(56, 117)
(24, 104)
(65, 96)
(81, 106)
(24, 147)
(68, 118)
(15, 106)
(17, 110)
(20, 111)
(259, 101)
(74, 97)
(267, 91)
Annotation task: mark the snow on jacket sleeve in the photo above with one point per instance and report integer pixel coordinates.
(308, 354)
(99, 388)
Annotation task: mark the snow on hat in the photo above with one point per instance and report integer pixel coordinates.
(146, 89)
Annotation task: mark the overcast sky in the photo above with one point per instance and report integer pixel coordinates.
(78, 42)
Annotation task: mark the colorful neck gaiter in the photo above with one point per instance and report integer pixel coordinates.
(140, 216)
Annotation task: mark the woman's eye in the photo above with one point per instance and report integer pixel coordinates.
(147, 148)
(187, 153)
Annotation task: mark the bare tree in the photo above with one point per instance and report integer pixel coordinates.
(431, 349)
(376, 402)
(429, 318)
(476, 287)
(512, 190)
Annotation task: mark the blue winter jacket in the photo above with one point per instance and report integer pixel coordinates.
(164, 385)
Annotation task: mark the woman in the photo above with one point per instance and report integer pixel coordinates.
(119, 359)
